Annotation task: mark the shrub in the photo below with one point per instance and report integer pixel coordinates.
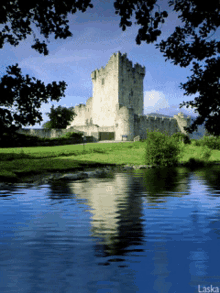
(193, 141)
(9, 140)
(69, 135)
(181, 137)
(212, 142)
(205, 153)
(197, 142)
(161, 149)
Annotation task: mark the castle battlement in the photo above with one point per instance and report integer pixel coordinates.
(111, 65)
(80, 106)
(128, 65)
(139, 69)
(116, 60)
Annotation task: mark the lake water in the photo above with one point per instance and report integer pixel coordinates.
(147, 231)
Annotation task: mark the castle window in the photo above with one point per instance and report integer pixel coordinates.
(103, 81)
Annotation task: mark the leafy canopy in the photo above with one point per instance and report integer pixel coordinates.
(188, 44)
(60, 117)
(21, 99)
(161, 149)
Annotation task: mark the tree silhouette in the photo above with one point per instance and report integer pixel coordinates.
(187, 44)
(23, 97)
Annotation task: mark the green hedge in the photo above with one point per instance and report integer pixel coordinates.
(24, 140)
(69, 135)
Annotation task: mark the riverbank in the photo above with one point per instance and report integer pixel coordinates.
(101, 171)
(37, 164)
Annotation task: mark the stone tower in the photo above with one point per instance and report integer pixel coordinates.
(116, 109)
(118, 84)
(130, 80)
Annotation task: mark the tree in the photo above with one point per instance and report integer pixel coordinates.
(23, 97)
(59, 117)
(47, 125)
(184, 46)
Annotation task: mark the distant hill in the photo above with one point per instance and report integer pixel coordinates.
(158, 115)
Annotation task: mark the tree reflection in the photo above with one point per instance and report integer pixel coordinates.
(160, 182)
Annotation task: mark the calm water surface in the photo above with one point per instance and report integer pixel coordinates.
(140, 231)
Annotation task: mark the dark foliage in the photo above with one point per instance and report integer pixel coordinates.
(181, 137)
(21, 99)
(48, 15)
(22, 140)
(60, 117)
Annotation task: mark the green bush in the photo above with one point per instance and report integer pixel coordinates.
(181, 137)
(197, 142)
(161, 149)
(193, 141)
(205, 153)
(69, 135)
(212, 142)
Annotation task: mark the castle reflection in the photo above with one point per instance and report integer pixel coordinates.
(116, 204)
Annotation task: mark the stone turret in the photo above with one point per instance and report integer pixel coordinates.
(182, 121)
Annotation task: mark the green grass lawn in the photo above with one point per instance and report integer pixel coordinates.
(18, 162)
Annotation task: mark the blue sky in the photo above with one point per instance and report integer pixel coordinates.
(96, 36)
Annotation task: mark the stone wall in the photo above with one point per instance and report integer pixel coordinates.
(142, 123)
(107, 129)
(46, 133)
(89, 130)
(83, 113)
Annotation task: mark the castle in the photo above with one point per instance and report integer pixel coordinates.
(115, 111)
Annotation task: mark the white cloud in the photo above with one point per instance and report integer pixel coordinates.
(154, 101)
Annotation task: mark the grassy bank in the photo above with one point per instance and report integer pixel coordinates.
(18, 163)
